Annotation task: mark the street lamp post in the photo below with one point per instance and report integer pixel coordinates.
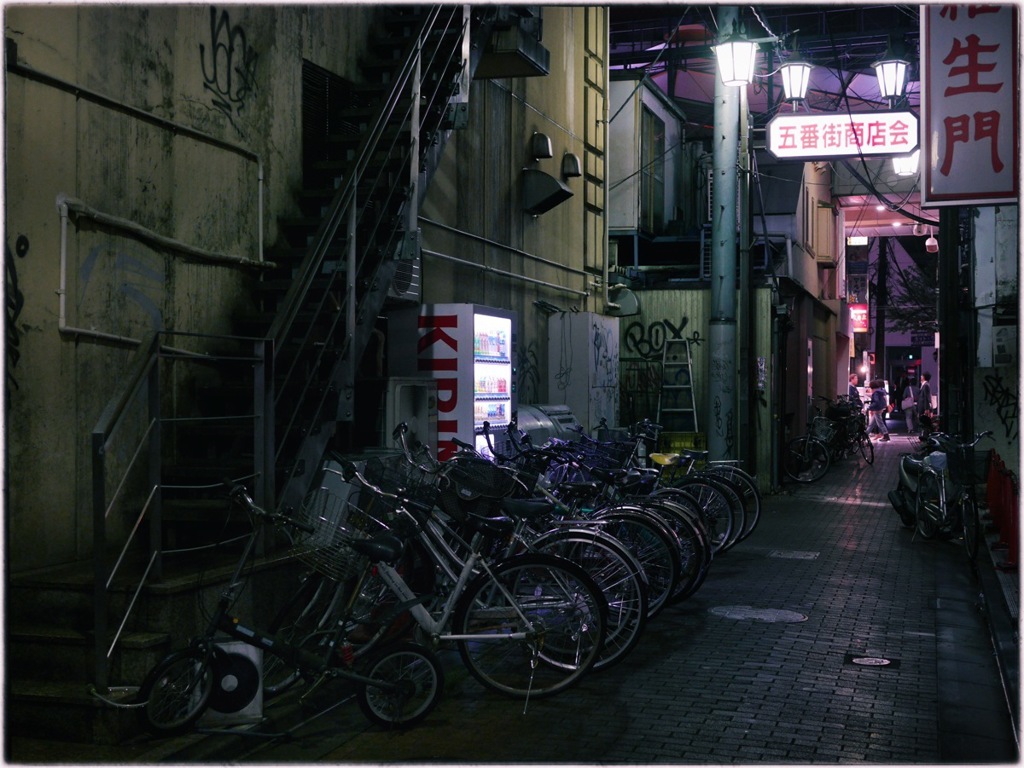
(722, 425)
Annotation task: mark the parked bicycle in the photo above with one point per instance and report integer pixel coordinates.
(943, 484)
(398, 685)
(527, 626)
(807, 458)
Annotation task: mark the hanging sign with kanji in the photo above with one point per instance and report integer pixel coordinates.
(824, 136)
(969, 105)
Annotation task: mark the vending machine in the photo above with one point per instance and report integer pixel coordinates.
(470, 352)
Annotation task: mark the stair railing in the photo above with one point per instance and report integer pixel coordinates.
(372, 213)
(126, 445)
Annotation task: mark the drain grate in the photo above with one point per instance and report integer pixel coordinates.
(749, 613)
(791, 554)
(866, 660)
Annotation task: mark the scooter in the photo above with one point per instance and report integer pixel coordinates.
(912, 466)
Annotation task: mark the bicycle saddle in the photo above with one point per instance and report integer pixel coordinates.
(384, 547)
(526, 509)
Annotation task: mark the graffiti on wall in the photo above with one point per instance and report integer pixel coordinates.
(229, 66)
(528, 374)
(14, 304)
(1004, 401)
(643, 350)
(137, 280)
(648, 342)
(605, 360)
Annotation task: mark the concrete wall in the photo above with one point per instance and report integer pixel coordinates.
(478, 191)
(230, 73)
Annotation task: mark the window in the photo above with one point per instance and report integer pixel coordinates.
(652, 172)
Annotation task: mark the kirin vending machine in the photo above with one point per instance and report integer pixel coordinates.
(469, 350)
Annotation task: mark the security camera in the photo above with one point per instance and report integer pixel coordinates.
(931, 245)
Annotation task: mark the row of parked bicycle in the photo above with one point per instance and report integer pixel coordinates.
(838, 432)
(538, 566)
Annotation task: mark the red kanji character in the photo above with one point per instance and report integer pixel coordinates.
(986, 126)
(832, 136)
(949, 11)
(876, 134)
(787, 137)
(957, 129)
(898, 133)
(972, 68)
(809, 137)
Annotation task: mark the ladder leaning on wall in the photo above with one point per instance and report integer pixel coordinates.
(677, 406)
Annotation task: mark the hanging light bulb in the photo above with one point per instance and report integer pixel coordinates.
(736, 56)
(796, 75)
(906, 165)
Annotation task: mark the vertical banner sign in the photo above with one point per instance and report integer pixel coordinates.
(970, 104)
(859, 318)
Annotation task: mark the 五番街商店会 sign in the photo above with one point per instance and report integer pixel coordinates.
(833, 135)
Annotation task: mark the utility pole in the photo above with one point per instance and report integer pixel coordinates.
(881, 302)
(722, 426)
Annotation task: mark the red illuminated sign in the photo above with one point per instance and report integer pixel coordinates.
(859, 318)
(819, 137)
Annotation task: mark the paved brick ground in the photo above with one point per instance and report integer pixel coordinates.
(755, 668)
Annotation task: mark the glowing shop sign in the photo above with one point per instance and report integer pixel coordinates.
(818, 137)
(859, 318)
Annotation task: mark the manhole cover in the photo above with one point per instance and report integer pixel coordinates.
(861, 660)
(793, 554)
(749, 613)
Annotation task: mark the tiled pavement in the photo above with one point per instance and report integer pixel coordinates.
(757, 667)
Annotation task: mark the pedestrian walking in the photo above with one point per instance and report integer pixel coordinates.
(878, 406)
(924, 405)
(909, 405)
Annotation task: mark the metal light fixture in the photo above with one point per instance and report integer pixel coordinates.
(540, 147)
(891, 72)
(906, 165)
(736, 57)
(796, 74)
(571, 166)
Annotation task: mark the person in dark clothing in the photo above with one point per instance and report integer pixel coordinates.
(854, 394)
(877, 408)
(924, 405)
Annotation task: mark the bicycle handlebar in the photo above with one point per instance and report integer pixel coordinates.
(239, 495)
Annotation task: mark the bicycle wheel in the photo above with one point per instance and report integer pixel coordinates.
(177, 691)
(805, 459)
(971, 522)
(749, 491)
(538, 624)
(652, 543)
(412, 679)
(717, 506)
(619, 575)
(683, 517)
(306, 613)
(927, 505)
(867, 448)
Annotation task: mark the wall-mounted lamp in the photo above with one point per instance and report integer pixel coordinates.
(736, 57)
(891, 72)
(906, 165)
(796, 74)
(571, 166)
(540, 147)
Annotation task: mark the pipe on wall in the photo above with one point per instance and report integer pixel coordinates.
(176, 129)
(504, 273)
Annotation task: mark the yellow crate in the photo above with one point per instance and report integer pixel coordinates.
(674, 442)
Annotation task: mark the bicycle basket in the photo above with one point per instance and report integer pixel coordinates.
(336, 522)
(611, 455)
(823, 428)
(473, 486)
(394, 474)
(968, 466)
